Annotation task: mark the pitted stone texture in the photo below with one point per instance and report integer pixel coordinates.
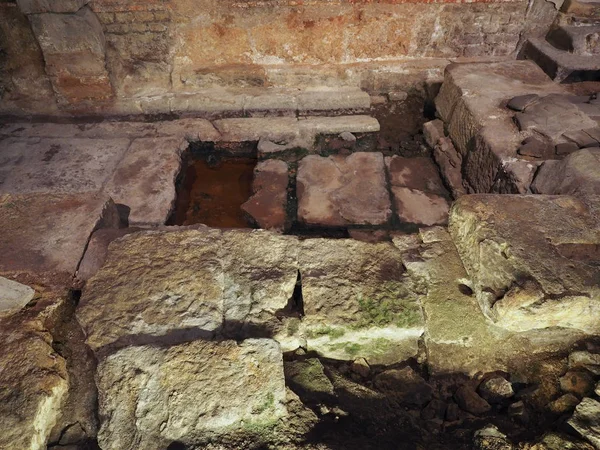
(529, 258)
(188, 283)
(358, 301)
(191, 393)
(33, 383)
(268, 204)
(13, 295)
(472, 104)
(175, 284)
(50, 6)
(46, 234)
(145, 179)
(340, 191)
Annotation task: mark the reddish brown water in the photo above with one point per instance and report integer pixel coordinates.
(213, 195)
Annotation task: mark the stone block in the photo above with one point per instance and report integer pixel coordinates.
(530, 259)
(268, 204)
(13, 295)
(192, 393)
(418, 207)
(341, 191)
(276, 129)
(145, 179)
(45, 235)
(74, 48)
(34, 383)
(215, 283)
(358, 302)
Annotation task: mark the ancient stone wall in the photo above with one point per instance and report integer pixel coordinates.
(155, 47)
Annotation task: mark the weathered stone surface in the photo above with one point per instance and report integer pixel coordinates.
(339, 190)
(581, 138)
(50, 6)
(526, 256)
(578, 174)
(74, 48)
(188, 283)
(536, 148)
(419, 207)
(33, 383)
(563, 404)
(586, 420)
(13, 295)
(308, 378)
(338, 125)
(470, 401)
(496, 389)
(566, 148)
(268, 204)
(559, 441)
(450, 164)
(44, 234)
(472, 103)
(144, 179)
(521, 102)
(446, 295)
(433, 132)
(150, 397)
(418, 173)
(358, 302)
(585, 360)
(276, 129)
(58, 165)
(97, 250)
(404, 384)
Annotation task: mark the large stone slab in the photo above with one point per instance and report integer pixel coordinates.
(472, 103)
(188, 283)
(532, 259)
(46, 234)
(358, 302)
(145, 179)
(343, 190)
(33, 382)
(586, 420)
(67, 165)
(418, 192)
(190, 394)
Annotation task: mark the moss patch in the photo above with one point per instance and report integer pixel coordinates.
(391, 304)
(332, 332)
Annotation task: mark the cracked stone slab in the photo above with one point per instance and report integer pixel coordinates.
(193, 393)
(46, 234)
(532, 259)
(144, 179)
(13, 295)
(358, 302)
(343, 190)
(189, 283)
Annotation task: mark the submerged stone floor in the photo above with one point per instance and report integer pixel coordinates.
(353, 318)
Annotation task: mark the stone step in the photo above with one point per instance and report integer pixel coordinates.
(559, 64)
(219, 102)
(578, 39)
